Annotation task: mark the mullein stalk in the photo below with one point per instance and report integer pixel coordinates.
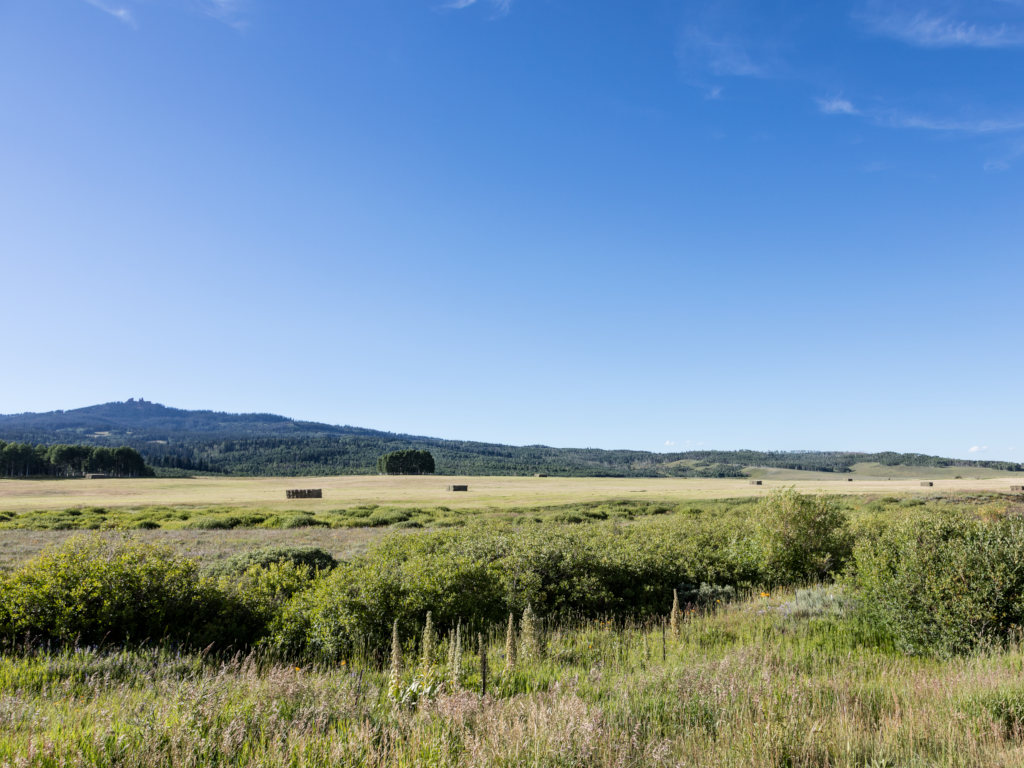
(530, 643)
(427, 659)
(675, 617)
(510, 644)
(395, 673)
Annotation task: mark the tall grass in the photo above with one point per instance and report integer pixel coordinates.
(756, 683)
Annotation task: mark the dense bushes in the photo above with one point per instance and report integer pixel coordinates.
(801, 538)
(480, 573)
(313, 558)
(945, 585)
(92, 591)
(936, 581)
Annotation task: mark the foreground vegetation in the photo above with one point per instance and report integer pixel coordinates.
(682, 637)
(782, 680)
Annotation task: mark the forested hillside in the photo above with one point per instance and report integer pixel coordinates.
(172, 439)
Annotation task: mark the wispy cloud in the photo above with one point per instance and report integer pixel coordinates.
(669, 443)
(837, 106)
(977, 449)
(952, 125)
(720, 55)
(927, 29)
(121, 14)
(226, 11)
(501, 7)
(727, 38)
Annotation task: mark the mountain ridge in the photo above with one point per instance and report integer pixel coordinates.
(175, 439)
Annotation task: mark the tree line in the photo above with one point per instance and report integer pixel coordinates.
(28, 460)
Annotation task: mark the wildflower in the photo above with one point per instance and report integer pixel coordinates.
(529, 641)
(455, 656)
(428, 644)
(765, 594)
(673, 617)
(395, 674)
(510, 644)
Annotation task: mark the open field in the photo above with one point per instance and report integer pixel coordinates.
(498, 492)
(17, 546)
(776, 681)
(659, 635)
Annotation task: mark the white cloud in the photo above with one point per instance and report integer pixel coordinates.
(837, 106)
(975, 126)
(977, 449)
(669, 443)
(721, 55)
(121, 14)
(227, 11)
(502, 7)
(927, 30)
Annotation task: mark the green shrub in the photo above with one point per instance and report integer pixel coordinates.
(295, 521)
(355, 605)
(943, 586)
(483, 571)
(214, 523)
(92, 590)
(382, 517)
(313, 558)
(802, 538)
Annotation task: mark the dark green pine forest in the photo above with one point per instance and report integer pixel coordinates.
(175, 441)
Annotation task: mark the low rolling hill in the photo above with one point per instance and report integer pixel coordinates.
(177, 441)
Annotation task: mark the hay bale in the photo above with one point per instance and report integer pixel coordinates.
(1017, 488)
(96, 476)
(540, 474)
(305, 493)
(458, 487)
(849, 479)
(755, 482)
(927, 483)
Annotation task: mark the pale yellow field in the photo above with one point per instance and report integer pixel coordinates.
(430, 491)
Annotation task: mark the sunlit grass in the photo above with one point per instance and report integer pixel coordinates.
(756, 683)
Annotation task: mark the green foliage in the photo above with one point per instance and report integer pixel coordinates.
(408, 461)
(481, 573)
(802, 538)
(26, 460)
(92, 590)
(176, 441)
(312, 558)
(946, 585)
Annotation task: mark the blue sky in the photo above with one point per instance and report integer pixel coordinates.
(655, 225)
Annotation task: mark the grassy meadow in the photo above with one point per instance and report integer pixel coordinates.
(698, 623)
(500, 492)
(780, 680)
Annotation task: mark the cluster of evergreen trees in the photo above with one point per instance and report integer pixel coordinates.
(27, 460)
(406, 462)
